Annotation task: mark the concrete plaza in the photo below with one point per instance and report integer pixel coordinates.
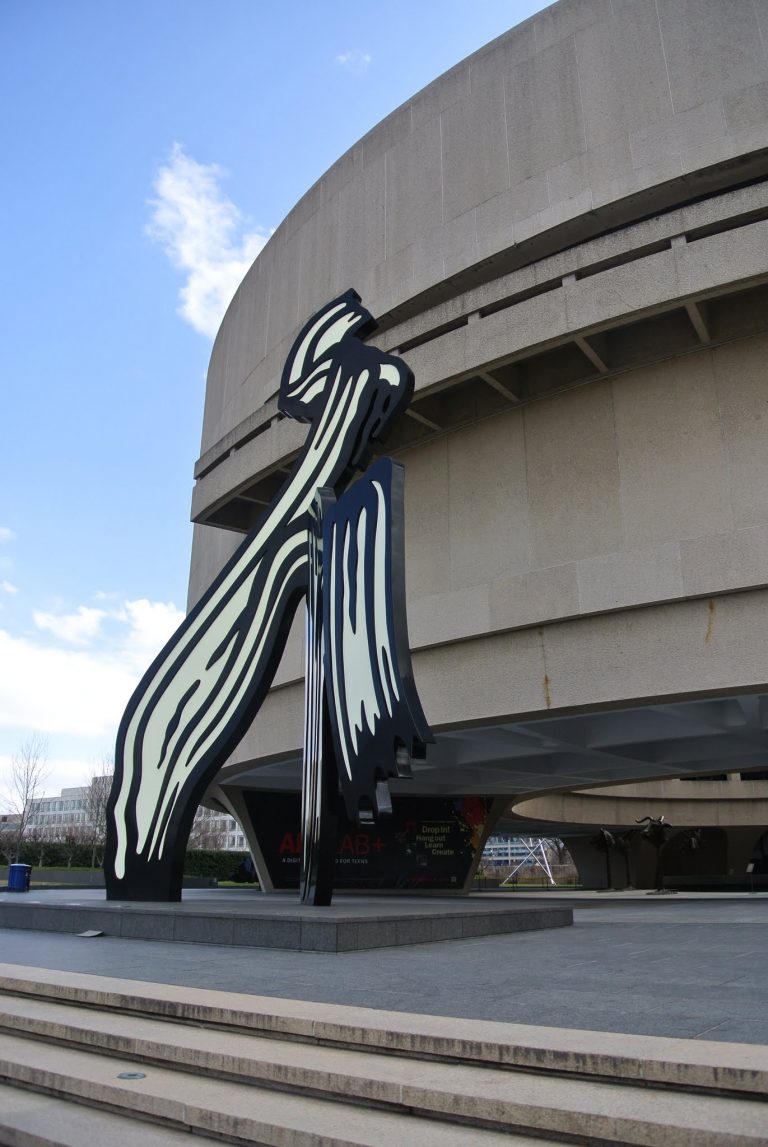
(687, 966)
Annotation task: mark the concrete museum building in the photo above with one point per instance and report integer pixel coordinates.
(566, 239)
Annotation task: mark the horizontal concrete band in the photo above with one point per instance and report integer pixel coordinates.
(700, 1064)
(579, 309)
(589, 286)
(649, 653)
(297, 929)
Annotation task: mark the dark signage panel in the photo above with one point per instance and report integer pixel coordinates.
(428, 842)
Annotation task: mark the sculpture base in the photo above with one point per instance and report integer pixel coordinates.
(242, 918)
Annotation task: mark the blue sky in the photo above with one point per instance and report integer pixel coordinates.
(149, 148)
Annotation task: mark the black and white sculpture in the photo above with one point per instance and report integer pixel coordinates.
(200, 694)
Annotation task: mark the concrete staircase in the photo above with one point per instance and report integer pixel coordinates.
(91, 1060)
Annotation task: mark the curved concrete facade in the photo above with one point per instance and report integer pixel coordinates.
(566, 238)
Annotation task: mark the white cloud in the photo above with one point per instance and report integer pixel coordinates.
(6, 535)
(355, 61)
(203, 234)
(61, 690)
(8, 587)
(81, 692)
(77, 628)
(151, 624)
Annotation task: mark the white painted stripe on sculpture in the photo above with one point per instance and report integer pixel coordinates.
(360, 638)
(335, 333)
(336, 601)
(359, 687)
(224, 713)
(381, 562)
(210, 702)
(300, 358)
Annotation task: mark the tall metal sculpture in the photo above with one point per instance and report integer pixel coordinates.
(363, 717)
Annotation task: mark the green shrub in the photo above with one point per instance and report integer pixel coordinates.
(56, 854)
(198, 862)
(212, 862)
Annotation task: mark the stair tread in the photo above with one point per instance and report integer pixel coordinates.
(29, 1119)
(698, 1063)
(548, 1103)
(234, 1110)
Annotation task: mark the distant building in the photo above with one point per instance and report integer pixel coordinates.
(54, 818)
(71, 812)
(214, 829)
(509, 852)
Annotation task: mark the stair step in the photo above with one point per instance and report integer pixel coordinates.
(507, 1100)
(237, 1112)
(29, 1119)
(686, 1064)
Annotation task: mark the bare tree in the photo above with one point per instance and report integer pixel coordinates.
(29, 771)
(96, 808)
(72, 840)
(209, 829)
(38, 840)
(561, 862)
(557, 851)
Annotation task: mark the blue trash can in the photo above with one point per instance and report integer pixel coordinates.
(18, 877)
